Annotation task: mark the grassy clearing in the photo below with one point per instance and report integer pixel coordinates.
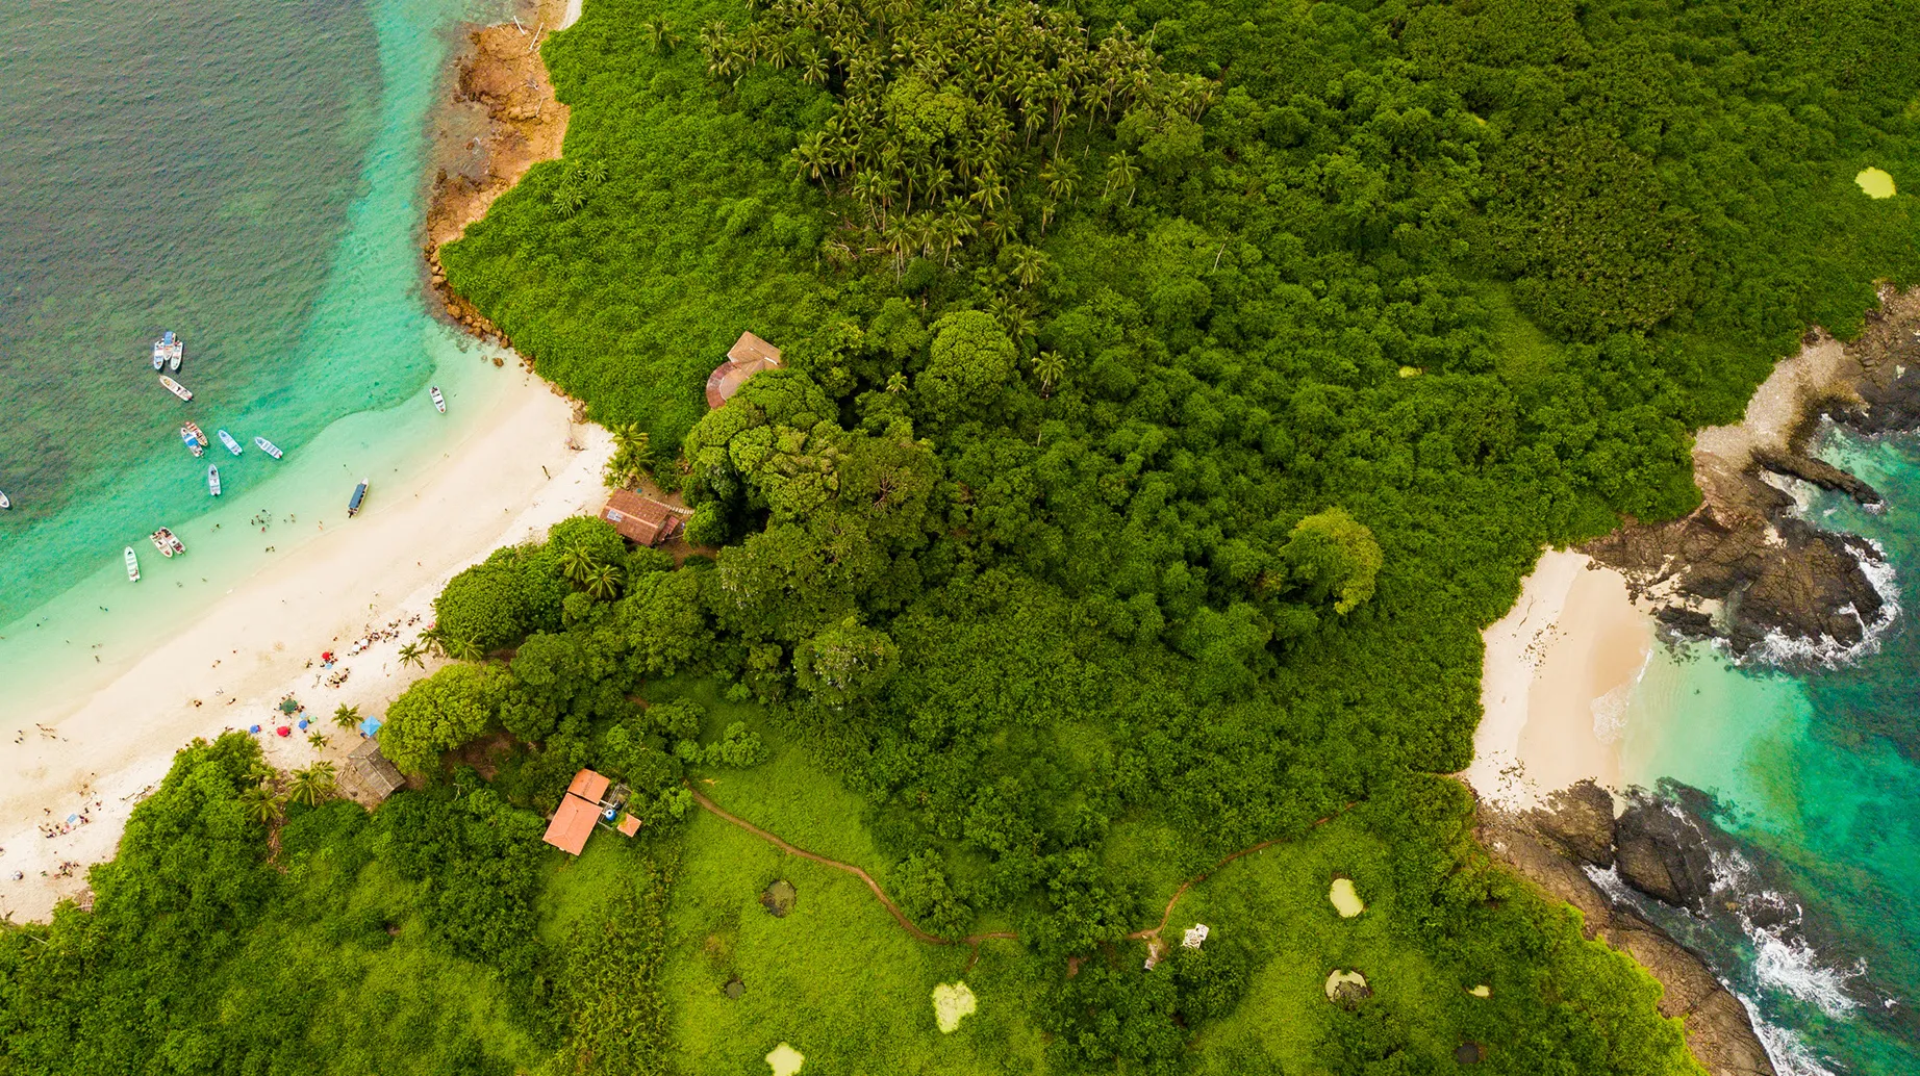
(837, 978)
(1275, 902)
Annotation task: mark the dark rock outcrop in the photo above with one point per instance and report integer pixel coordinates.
(1743, 567)
(1719, 1032)
(1664, 855)
(1819, 472)
(1580, 820)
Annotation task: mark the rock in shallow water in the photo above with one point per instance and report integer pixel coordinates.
(1664, 855)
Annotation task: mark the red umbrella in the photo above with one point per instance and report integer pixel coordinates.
(283, 731)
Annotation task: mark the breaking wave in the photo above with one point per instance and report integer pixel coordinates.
(1777, 648)
(1790, 1054)
(1783, 961)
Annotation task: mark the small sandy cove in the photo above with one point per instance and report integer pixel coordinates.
(360, 591)
(1559, 669)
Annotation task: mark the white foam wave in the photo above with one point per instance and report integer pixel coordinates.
(1776, 648)
(1790, 965)
(1783, 961)
(1790, 1054)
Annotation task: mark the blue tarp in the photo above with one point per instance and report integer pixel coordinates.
(370, 727)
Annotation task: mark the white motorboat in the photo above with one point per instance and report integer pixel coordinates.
(175, 387)
(133, 566)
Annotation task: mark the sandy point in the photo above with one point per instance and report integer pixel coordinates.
(1560, 668)
(361, 590)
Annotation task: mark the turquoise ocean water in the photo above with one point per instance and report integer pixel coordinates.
(1812, 769)
(251, 176)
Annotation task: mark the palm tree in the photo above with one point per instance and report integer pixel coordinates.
(632, 455)
(603, 582)
(465, 650)
(1028, 265)
(412, 654)
(660, 35)
(1049, 367)
(317, 739)
(346, 716)
(435, 640)
(1121, 173)
(577, 564)
(260, 803)
(567, 199)
(312, 785)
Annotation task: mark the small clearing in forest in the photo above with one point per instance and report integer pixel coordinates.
(952, 1002)
(785, 1060)
(1345, 900)
(1876, 182)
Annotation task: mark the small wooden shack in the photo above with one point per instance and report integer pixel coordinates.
(640, 519)
(748, 356)
(369, 771)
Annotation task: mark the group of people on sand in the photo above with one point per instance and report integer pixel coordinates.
(72, 822)
(381, 635)
(46, 733)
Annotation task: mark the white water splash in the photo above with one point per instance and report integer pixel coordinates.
(1776, 648)
(1783, 961)
(1789, 1052)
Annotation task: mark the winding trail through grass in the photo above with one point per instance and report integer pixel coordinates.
(886, 902)
(972, 940)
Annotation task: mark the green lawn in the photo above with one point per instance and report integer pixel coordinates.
(837, 978)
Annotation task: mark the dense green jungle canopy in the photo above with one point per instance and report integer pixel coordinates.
(1173, 391)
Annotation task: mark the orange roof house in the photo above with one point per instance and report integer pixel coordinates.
(640, 519)
(573, 823)
(589, 786)
(748, 356)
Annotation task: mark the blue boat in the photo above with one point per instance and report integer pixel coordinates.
(358, 498)
(196, 441)
(226, 438)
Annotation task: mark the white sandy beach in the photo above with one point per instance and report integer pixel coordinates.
(1559, 667)
(507, 478)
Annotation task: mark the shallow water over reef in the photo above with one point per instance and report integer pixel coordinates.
(1815, 919)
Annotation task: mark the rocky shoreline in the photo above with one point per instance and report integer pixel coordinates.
(501, 119)
(1658, 852)
(1742, 567)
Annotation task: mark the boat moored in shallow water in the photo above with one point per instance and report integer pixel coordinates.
(268, 447)
(175, 387)
(359, 497)
(133, 566)
(5, 501)
(167, 351)
(164, 540)
(213, 480)
(195, 440)
(226, 438)
(439, 401)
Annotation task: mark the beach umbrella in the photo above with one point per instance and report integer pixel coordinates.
(303, 724)
(283, 731)
(287, 705)
(255, 730)
(370, 727)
